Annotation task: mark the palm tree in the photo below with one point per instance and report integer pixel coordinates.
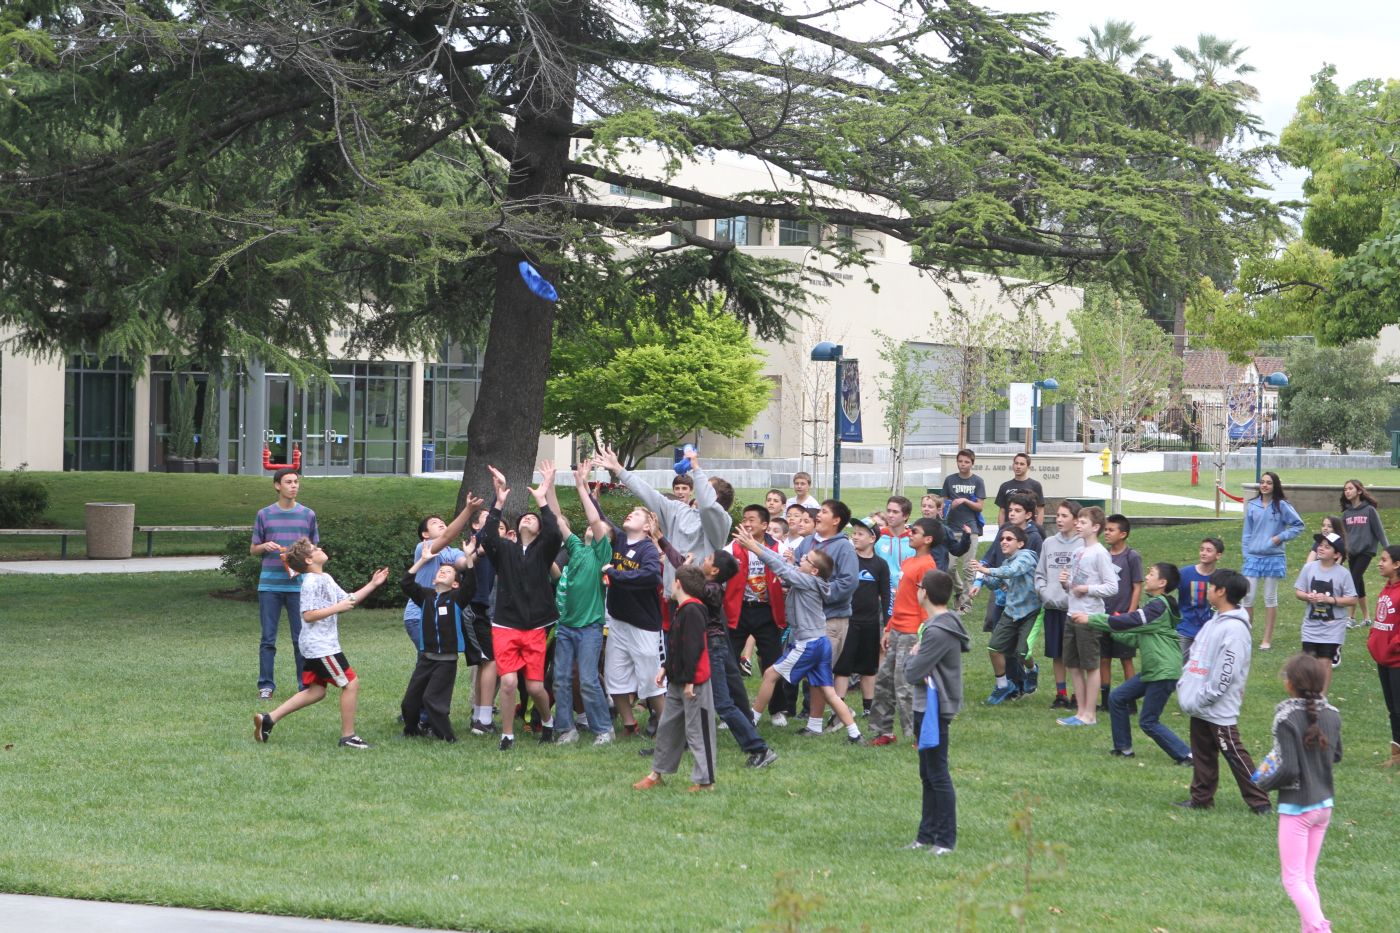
(1213, 59)
(1114, 42)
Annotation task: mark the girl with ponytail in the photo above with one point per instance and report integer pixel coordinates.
(1307, 742)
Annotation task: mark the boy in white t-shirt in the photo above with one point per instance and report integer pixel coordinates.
(322, 601)
(1328, 589)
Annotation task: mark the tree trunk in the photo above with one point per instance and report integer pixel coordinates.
(504, 430)
(1178, 345)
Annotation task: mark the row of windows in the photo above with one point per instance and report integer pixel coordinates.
(746, 231)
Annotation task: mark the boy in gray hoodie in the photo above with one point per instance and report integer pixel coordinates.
(937, 657)
(1056, 554)
(1211, 691)
(808, 654)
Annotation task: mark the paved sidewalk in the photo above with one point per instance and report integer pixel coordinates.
(131, 565)
(59, 915)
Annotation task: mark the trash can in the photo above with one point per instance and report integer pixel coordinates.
(109, 526)
(429, 456)
(1395, 448)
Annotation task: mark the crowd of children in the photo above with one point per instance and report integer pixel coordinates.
(667, 610)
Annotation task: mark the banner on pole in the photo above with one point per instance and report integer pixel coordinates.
(848, 407)
(1021, 395)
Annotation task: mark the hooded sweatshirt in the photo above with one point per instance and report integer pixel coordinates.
(1364, 531)
(1384, 640)
(1302, 775)
(942, 643)
(1016, 577)
(845, 570)
(1056, 554)
(1092, 567)
(699, 530)
(1262, 523)
(1212, 683)
(805, 600)
(1151, 628)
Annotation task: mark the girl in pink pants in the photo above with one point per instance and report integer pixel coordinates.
(1307, 742)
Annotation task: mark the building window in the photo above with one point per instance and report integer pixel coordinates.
(735, 230)
(449, 396)
(845, 232)
(98, 410)
(627, 192)
(686, 225)
(795, 233)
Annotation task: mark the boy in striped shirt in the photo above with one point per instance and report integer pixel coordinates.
(277, 528)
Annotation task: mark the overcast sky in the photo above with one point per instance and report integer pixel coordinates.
(1288, 42)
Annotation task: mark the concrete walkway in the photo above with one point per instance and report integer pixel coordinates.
(131, 565)
(59, 915)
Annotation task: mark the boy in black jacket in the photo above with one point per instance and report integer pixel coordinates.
(442, 636)
(525, 606)
(689, 715)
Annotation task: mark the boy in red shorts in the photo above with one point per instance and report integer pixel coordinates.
(322, 601)
(525, 607)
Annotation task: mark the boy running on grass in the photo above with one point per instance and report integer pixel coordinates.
(1211, 692)
(1192, 598)
(808, 653)
(277, 527)
(1128, 562)
(1151, 629)
(322, 600)
(445, 631)
(1089, 578)
(525, 608)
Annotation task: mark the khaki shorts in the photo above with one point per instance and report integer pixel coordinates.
(1081, 647)
(836, 634)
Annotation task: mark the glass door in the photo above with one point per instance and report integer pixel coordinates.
(329, 419)
(282, 415)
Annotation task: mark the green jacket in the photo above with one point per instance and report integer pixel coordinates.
(1151, 629)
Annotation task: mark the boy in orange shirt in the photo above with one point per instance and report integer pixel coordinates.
(901, 634)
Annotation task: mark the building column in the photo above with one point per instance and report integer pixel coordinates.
(415, 418)
(255, 418)
(142, 428)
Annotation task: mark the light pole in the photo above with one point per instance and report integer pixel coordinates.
(1049, 384)
(1278, 381)
(828, 352)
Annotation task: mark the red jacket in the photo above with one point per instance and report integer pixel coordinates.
(734, 589)
(1384, 640)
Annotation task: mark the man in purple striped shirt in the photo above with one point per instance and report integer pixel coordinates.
(277, 527)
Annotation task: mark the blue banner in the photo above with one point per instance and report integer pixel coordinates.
(848, 407)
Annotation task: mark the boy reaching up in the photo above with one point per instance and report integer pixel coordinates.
(1090, 578)
(444, 632)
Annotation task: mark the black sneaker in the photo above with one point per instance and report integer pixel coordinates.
(761, 759)
(1193, 805)
(1188, 761)
(646, 751)
(1060, 702)
(507, 743)
(484, 728)
(1123, 753)
(856, 739)
(806, 733)
(353, 741)
(546, 735)
(1262, 810)
(746, 667)
(262, 726)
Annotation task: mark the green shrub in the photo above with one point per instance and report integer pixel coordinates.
(23, 499)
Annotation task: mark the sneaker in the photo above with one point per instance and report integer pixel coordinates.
(1262, 810)
(1123, 753)
(484, 728)
(646, 751)
(648, 782)
(746, 667)
(567, 737)
(833, 724)
(1265, 646)
(942, 850)
(885, 739)
(1070, 721)
(353, 741)
(265, 693)
(915, 846)
(697, 788)
(779, 721)
(723, 726)
(1060, 702)
(1032, 681)
(603, 738)
(547, 735)
(1188, 761)
(1337, 657)
(507, 743)
(761, 759)
(856, 739)
(806, 733)
(581, 720)
(262, 726)
(1000, 695)
(1193, 805)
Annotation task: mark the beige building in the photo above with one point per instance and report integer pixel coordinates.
(402, 414)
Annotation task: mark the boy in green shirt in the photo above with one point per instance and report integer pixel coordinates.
(1152, 630)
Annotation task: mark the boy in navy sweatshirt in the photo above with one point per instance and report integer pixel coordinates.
(445, 632)
(688, 719)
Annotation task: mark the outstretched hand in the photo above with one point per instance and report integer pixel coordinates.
(541, 492)
(607, 457)
(473, 503)
(380, 575)
(498, 480)
(746, 538)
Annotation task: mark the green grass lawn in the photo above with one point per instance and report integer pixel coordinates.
(128, 772)
(1178, 482)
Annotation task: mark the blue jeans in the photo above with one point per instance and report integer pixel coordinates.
(938, 817)
(1154, 694)
(584, 645)
(722, 664)
(270, 605)
(413, 625)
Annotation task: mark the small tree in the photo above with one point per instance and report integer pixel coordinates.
(903, 388)
(182, 404)
(1337, 395)
(972, 371)
(209, 426)
(1126, 368)
(642, 388)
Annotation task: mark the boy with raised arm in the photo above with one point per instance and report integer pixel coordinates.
(525, 607)
(444, 632)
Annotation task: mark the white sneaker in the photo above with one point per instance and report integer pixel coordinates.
(723, 726)
(779, 720)
(567, 738)
(603, 738)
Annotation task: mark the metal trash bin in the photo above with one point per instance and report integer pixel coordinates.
(429, 456)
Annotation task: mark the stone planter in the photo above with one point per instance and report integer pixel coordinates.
(203, 465)
(110, 526)
(180, 464)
